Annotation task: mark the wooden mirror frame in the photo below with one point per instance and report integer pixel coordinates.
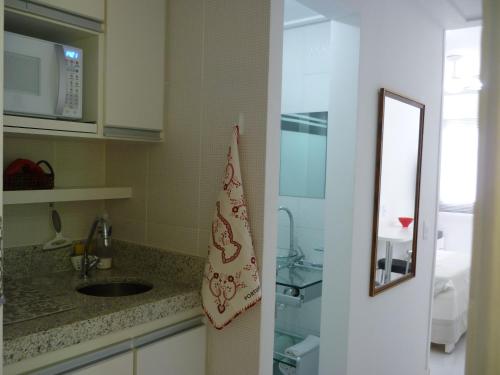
(384, 93)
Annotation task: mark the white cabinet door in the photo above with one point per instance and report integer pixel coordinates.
(88, 8)
(135, 64)
(122, 364)
(182, 354)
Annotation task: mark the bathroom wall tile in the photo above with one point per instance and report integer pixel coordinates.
(312, 213)
(310, 239)
(309, 223)
(284, 236)
(293, 204)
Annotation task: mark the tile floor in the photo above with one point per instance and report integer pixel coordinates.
(441, 363)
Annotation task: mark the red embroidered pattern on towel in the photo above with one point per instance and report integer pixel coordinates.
(231, 282)
(222, 238)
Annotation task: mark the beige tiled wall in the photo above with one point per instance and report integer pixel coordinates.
(216, 68)
(76, 163)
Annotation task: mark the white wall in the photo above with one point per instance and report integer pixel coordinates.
(306, 69)
(401, 49)
(457, 230)
(339, 199)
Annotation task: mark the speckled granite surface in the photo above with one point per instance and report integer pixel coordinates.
(176, 282)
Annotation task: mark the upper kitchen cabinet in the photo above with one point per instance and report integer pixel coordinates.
(134, 69)
(93, 9)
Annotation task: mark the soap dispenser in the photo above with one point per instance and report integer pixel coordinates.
(103, 245)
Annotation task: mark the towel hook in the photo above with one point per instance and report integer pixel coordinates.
(241, 123)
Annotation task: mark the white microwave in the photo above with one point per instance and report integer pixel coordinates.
(41, 78)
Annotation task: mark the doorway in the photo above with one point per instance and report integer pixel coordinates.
(457, 192)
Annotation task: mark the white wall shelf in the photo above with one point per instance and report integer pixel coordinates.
(41, 126)
(65, 195)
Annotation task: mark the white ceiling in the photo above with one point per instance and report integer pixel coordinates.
(295, 11)
(454, 14)
(471, 10)
(450, 14)
(463, 60)
(297, 14)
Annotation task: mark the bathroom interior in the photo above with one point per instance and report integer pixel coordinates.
(305, 106)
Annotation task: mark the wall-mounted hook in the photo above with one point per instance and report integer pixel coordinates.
(241, 123)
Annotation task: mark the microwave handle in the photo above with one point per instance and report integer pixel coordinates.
(61, 96)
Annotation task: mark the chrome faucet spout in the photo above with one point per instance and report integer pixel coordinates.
(292, 229)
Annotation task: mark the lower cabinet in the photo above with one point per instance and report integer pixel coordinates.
(182, 354)
(122, 364)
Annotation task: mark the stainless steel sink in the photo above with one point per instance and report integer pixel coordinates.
(115, 288)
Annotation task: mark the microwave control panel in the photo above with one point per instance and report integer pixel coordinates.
(73, 59)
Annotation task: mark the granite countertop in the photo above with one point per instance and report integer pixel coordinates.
(64, 317)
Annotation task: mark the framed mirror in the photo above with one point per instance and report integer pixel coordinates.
(397, 191)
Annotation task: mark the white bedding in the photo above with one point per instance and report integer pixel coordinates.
(451, 297)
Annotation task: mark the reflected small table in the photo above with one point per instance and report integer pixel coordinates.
(392, 235)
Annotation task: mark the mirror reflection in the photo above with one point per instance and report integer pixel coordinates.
(303, 154)
(396, 190)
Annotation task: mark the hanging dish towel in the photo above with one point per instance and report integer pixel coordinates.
(231, 282)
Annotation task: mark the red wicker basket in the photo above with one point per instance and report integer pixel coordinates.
(23, 174)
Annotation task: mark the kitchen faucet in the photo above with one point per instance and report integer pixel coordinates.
(87, 264)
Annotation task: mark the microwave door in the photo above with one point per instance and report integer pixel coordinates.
(31, 71)
(61, 82)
